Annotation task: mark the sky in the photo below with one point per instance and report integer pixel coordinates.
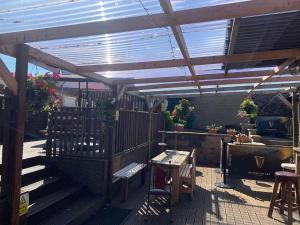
(10, 62)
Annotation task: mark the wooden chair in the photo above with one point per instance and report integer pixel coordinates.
(163, 189)
(188, 175)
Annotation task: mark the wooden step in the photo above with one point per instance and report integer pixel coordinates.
(42, 187)
(48, 204)
(77, 212)
(35, 173)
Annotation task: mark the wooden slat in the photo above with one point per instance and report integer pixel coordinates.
(211, 13)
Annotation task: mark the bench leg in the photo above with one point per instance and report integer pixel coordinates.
(143, 176)
(124, 189)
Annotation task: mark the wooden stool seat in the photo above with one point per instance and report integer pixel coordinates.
(284, 182)
(288, 167)
(286, 176)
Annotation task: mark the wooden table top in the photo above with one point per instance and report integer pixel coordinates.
(177, 158)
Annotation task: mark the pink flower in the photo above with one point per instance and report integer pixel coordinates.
(56, 76)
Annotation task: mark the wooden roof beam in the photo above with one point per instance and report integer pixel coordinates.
(214, 82)
(244, 74)
(197, 15)
(276, 70)
(8, 78)
(43, 58)
(176, 29)
(236, 58)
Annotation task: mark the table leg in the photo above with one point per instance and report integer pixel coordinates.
(175, 184)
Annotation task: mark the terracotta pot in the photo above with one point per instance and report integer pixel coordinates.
(178, 127)
(212, 131)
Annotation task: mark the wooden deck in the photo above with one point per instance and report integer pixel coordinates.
(246, 204)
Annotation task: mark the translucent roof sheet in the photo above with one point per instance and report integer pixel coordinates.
(205, 39)
(189, 4)
(138, 46)
(19, 15)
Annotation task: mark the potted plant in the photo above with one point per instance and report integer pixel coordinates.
(231, 132)
(248, 109)
(242, 138)
(180, 116)
(213, 129)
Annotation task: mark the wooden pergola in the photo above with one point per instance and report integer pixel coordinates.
(42, 46)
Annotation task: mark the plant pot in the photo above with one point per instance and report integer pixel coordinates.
(212, 131)
(178, 127)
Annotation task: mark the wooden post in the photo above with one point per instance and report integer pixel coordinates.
(17, 134)
(295, 119)
(112, 126)
(79, 95)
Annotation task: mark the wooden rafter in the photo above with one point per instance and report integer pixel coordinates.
(176, 29)
(275, 71)
(245, 74)
(214, 82)
(236, 58)
(8, 79)
(205, 14)
(233, 37)
(36, 55)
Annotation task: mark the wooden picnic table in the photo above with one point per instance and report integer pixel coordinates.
(174, 159)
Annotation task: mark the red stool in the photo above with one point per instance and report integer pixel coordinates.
(284, 200)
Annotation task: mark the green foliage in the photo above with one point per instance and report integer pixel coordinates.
(169, 121)
(181, 114)
(249, 107)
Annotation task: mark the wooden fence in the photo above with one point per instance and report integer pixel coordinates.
(77, 132)
(132, 129)
(126, 102)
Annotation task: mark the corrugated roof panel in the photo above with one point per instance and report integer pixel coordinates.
(189, 4)
(16, 15)
(205, 39)
(145, 45)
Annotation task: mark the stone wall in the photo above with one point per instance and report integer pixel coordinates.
(208, 146)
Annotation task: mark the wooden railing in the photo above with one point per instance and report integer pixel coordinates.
(132, 129)
(77, 132)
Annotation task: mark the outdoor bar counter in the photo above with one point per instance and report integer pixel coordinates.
(257, 160)
(207, 145)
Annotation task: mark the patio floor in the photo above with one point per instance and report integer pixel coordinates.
(246, 204)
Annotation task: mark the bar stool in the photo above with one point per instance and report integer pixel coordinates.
(289, 167)
(283, 200)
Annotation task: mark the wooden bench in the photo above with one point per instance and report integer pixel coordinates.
(126, 173)
(187, 175)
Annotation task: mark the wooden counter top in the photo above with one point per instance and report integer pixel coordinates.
(192, 133)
